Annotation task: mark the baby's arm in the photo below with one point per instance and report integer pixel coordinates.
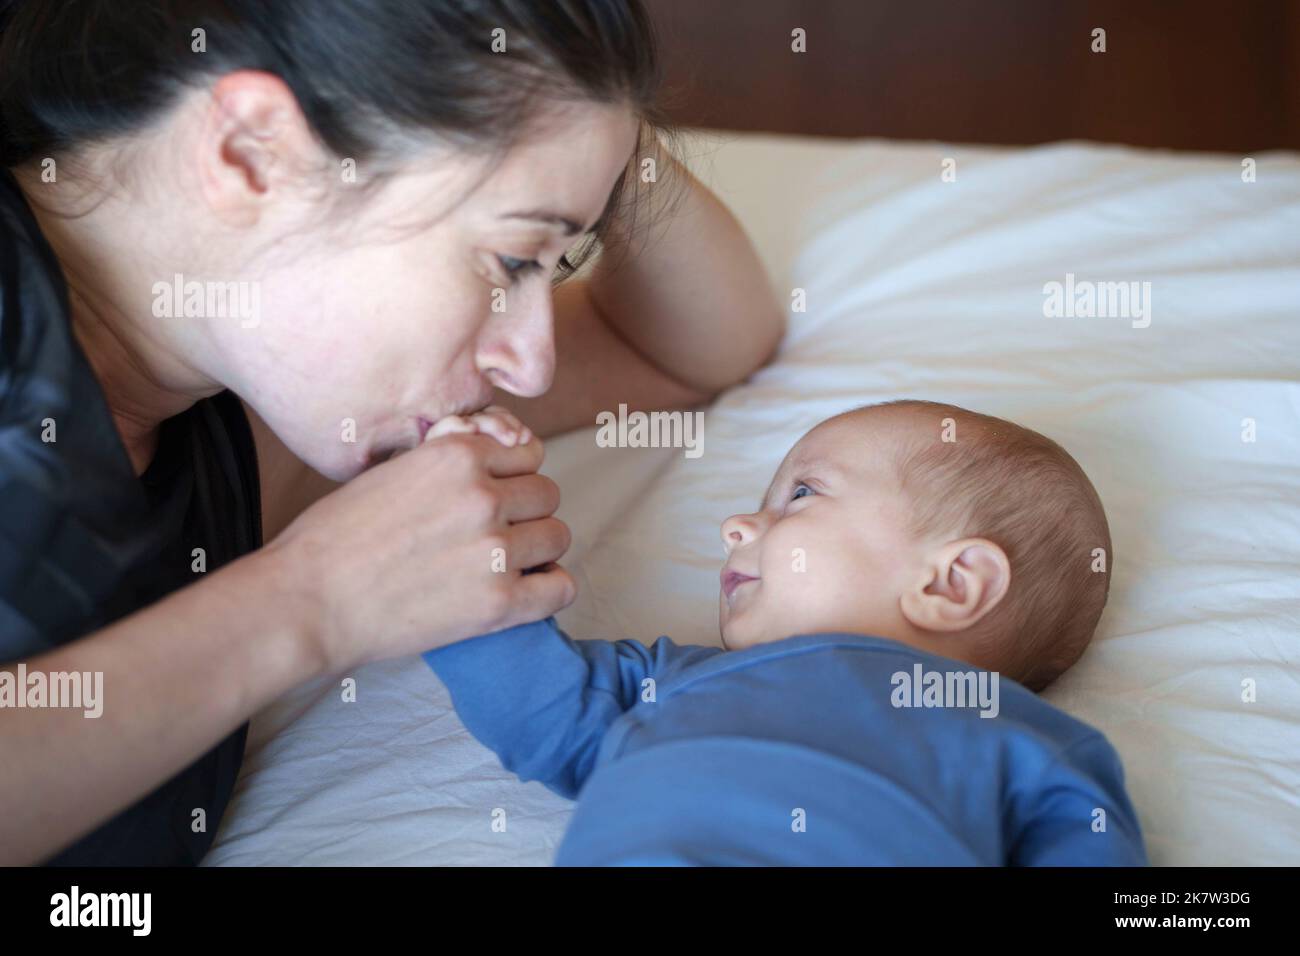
(1078, 814)
(543, 702)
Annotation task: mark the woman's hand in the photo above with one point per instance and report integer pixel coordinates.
(430, 547)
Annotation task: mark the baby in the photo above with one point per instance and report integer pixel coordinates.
(913, 574)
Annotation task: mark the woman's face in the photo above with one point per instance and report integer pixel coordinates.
(424, 298)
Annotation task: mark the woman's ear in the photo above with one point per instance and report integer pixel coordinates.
(251, 134)
(963, 581)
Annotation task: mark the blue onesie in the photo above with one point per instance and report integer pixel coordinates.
(797, 752)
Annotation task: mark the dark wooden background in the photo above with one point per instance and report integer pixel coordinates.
(1183, 74)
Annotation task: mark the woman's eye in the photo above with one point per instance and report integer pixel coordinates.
(515, 268)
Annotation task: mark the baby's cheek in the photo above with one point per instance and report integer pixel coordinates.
(824, 580)
(794, 589)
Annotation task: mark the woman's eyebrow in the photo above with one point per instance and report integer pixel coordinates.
(567, 223)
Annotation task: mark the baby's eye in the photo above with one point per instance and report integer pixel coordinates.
(801, 491)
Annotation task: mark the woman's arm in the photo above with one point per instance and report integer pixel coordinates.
(373, 570)
(244, 636)
(677, 308)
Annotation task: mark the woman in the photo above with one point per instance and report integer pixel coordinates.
(347, 215)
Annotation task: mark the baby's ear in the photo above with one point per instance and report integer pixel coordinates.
(962, 581)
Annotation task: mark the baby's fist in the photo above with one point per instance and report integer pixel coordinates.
(494, 421)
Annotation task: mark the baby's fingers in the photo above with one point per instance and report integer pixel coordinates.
(451, 425)
(503, 426)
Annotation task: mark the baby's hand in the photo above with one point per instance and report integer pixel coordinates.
(493, 420)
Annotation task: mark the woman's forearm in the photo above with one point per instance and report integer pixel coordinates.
(244, 638)
(682, 284)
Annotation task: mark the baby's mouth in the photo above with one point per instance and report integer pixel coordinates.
(732, 580)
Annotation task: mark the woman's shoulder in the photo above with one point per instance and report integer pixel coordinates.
(48, 390)
(35, 337)
(66, 487)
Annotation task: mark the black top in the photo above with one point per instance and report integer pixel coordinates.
(84, 541)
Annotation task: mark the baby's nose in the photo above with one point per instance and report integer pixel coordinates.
(736, 530)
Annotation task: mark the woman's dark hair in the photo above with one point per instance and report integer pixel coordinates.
(76, 72)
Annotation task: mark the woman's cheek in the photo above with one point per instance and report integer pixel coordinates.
(475, 306)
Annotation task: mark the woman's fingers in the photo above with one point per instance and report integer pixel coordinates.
(536, 543)
(486, 454)
(544, 592)
(526, 497)
(410, 554)
(503, 462)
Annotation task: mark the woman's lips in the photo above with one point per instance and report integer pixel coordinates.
(732, 580)
(413, 438)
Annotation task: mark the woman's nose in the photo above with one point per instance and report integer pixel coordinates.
(516, 350)
(738, 530)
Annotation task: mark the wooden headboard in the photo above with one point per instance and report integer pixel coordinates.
(1182, 74)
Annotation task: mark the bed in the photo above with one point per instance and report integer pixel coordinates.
(917, 286)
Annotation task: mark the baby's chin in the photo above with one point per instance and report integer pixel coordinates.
(748, 620)
(745, 628)
(741, 620)
(732, 637)
(746, 623)
(732, 642)
(737, 635)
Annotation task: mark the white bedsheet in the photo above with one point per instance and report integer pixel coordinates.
(922, 288)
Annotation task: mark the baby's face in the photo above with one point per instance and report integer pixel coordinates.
(830, 547)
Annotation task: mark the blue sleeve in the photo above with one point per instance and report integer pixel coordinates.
(1079, 813)
(543, 702)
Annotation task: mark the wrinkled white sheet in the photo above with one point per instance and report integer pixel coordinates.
(922, 288)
